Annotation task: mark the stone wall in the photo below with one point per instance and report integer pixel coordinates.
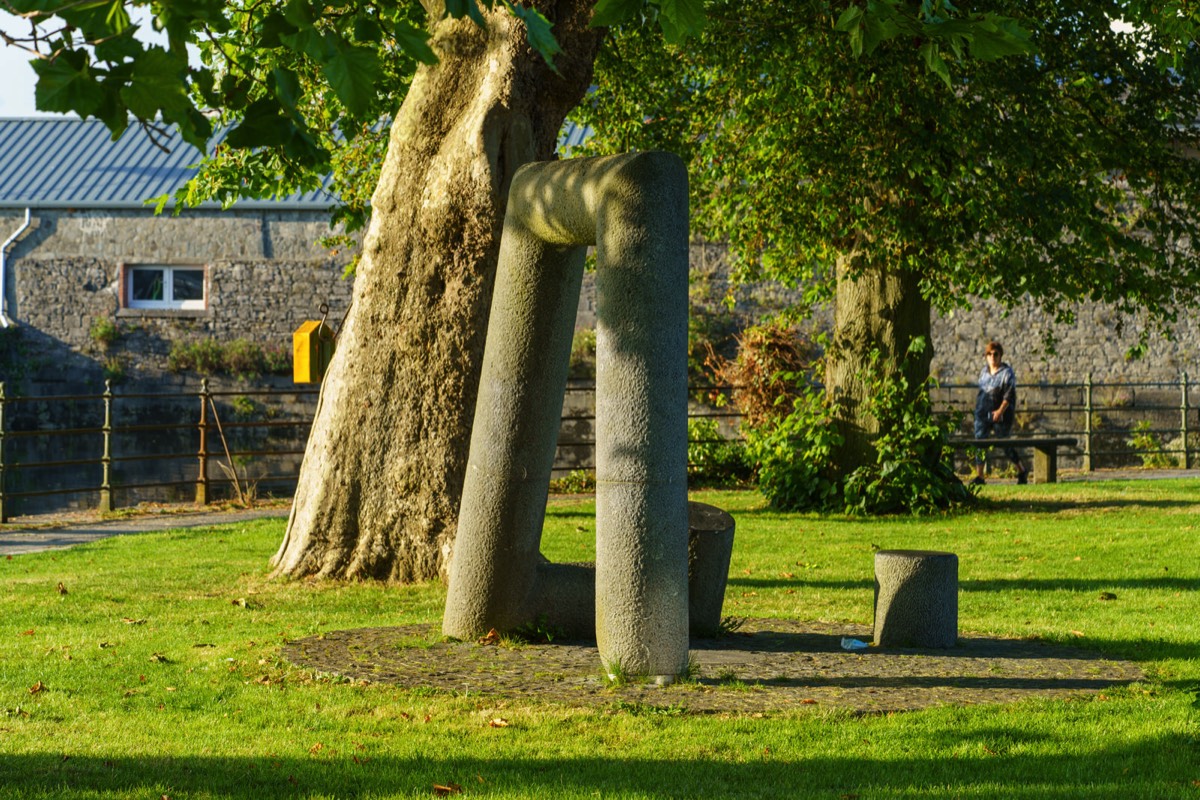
(1095, 343)
(266, 275)
(155, 441)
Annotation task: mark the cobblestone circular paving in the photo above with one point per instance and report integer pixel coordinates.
(767, 665)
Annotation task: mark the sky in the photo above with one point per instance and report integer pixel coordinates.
(16, 76)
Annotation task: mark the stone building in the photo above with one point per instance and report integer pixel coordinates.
(94, 285)
(93, 281)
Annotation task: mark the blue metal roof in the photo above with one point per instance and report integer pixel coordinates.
(66, 162)
(572, 135)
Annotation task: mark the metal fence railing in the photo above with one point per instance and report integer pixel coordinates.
(1117, 423)
(117, 445)
(114, 442)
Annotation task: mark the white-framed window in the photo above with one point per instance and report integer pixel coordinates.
(160, 286)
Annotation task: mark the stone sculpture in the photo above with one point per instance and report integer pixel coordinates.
(633, 209)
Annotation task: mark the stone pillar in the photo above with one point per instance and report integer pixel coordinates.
(633, 208)
(916, 599)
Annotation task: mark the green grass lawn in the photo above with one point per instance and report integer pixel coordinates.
(157, 672)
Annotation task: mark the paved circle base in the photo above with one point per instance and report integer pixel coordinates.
(767, 665)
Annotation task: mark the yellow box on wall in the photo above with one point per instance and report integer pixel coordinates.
(312, 349)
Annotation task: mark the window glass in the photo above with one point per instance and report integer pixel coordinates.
(162, 287)
(187, 284)
(147, 284)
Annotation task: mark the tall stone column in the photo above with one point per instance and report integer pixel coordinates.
(633, 208)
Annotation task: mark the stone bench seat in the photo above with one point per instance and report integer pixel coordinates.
(1045, 451)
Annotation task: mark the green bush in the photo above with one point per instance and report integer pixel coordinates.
(1147, 444)
(790, 453)
(579, 481)
(714, 461)
(114, 369)
(583, 354)
(104, 331)
(240, 357)
(912, 472)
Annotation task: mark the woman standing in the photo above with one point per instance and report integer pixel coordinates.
(995, 407)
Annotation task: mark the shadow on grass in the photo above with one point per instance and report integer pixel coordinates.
(1089, 585)
(995, 762)
(1054, 506)
(969, 646)
(1012, 505)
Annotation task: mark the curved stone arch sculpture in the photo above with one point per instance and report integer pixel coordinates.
(634, 209)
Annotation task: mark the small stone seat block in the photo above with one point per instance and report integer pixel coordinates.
(916, 599)
(710, 545)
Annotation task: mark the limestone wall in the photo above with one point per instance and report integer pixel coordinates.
(1096, 343)
(266, 275)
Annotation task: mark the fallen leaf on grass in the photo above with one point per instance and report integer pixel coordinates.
(444, 791)
(61, 588)
(492, 638)
(27, 633)
(132, 621)
(316, 748)
(1077, 633)
(159, 658)
(1107, 596)
(499, 722)
(37, 687)
(170, 688)
(428, 717)
(808, 701)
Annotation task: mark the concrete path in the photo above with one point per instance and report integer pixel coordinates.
(16, 540)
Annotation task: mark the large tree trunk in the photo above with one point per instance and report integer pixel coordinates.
(379, 487)
(882, 310)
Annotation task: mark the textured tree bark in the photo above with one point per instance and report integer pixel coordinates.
(382, 475)
(882, 309)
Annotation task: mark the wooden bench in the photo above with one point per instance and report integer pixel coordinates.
(1045, 451)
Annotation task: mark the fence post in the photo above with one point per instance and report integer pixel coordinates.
(3, 510)
(1087, 423)
(106, 503)
(1183, 420)
(202, 477)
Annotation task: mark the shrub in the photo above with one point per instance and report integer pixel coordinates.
(912, 471)
(773, 363)
(579, 481)
(277, 360)
(114, 369)
(240, 357)
(714, 460)
(1147, 444)
(583, 354)
(104, 331)
(791, 453)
